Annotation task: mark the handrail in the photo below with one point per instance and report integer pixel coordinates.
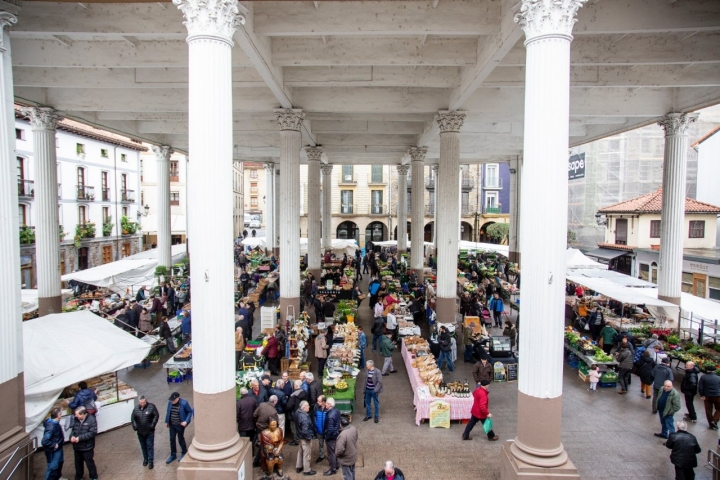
(31, 442)
(713, 460)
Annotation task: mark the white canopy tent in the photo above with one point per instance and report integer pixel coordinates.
(253, 242)
(339, 246)
(393, 243)
(177, 252)
(105, 348)
(485, 247)
(29, 299)
(575, 259)
(612, 276)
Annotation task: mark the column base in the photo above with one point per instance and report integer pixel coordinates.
(673, 300)
(276, 252)
(514, 257)
(49, 305)
(232, 468)
(285, 303)
(445, 310)
(512, 467)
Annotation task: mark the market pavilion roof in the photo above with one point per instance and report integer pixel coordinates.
(652, 203)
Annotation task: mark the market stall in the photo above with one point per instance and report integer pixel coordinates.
(29, 300)
(105, 349)
(342, 368)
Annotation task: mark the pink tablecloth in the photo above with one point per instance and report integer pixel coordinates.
(459, 407)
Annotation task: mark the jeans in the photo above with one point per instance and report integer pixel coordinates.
(498, 318)
(55, 462)
(147, 445)
(371, 397)
(469, 353)
(81, 458)
(471, 424)
(332, 459)
(690, 406)
(387, 365)
(668, 424)
(624, 378)
(361, 364)
(376, 339)
(321, 444)
(179, 432)
(445, 356)
(348, 472)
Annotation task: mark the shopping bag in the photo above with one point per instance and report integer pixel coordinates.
(487, 425)
(587, 327)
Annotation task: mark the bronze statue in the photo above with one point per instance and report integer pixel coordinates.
(271, 441)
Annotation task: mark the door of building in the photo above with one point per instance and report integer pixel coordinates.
(83, 254)
(125, 249)
(699, 285)
(106, 254)
(621, 229)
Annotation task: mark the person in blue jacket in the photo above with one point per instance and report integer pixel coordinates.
(84, 398)
(178, 416)
(497, 307)
(52, 443)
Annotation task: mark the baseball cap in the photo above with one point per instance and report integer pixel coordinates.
(174, 396)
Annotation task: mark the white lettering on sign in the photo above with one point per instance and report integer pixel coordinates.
(699, 267)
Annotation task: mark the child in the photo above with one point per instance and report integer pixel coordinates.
(594, 375)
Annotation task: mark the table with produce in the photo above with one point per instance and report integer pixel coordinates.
(342, 367)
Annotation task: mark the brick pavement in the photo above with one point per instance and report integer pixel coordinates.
(605, 434)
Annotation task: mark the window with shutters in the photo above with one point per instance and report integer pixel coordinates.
(654, 228)
(697, 229)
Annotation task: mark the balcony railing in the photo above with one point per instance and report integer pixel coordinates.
(493, 183)
(347, 179)
(430, 183)
(127, 196)
(85, 193)
(346, 210)
(376, 210)
(467, 184)
(26, 188)
(493, 210)
(429, 209)
(105, 194)
(375, 179)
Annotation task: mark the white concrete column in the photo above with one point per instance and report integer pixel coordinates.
(402, 208)
(513, 236)
(269, 219)
(326, 169)
(164, 239)
(417, 245)
(12, 387)
(537, 450)
(276, 213)
(216, 451)
(313, 210)
(672, 215)
(448, 191)
(436, 171)
(288, 208)
(47, 246)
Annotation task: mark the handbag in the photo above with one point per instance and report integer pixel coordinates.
(587, 327)
(362, 296)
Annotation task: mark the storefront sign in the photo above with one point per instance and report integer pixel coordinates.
(439, 414)
(699, 267)
(576, 166)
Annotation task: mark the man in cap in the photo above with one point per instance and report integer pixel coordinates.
(178, 416)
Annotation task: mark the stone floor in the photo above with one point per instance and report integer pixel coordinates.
(606, 435)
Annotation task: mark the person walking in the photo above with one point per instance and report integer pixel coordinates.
(245, 408)
(373, 388)
(661, 373)
(144, 418)
(645, 366)
(332, 430)
(483, 370)
(386, 350)
(497, 307)
(377, 327)
(684, 448)
(362, 342)
(624, 357)
(445, 348)
(178, 416)
(52, 442)
(480, 411)
(689, 388)
(709, 390)
(596, 322)
(346, 448)
(390, 472)
(272, 353)
(320, 416)
(84, 431)
(668, 405)
(321, 351)
(304, 432)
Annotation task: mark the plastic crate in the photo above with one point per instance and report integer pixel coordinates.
(175, 379)
(583, 368)
(607, 384)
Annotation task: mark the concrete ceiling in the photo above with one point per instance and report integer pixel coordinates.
(369, 75)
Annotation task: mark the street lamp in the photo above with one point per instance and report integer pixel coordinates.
(145, 214)
(599, 221)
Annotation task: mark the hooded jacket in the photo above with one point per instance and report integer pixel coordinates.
(689, 385)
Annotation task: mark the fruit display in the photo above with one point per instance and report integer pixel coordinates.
(341, 386)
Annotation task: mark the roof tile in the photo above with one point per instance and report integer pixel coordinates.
(652, 203)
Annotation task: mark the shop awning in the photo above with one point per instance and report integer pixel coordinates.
(65, 348)
(612, 276)
(574, 259)
(606, 254)
(621, 293)
(485, 247)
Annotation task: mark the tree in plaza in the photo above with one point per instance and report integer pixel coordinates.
(498, 232)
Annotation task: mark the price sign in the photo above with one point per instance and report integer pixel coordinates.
(512, 372)
(439, 414)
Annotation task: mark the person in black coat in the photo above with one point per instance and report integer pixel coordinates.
(644, 369)
(84, 430)
(689, 388)
(144, 418)
(258, 392)
(245, 409)
(684, 448)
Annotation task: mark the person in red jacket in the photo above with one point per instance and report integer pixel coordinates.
(480, 411)
(273, 355)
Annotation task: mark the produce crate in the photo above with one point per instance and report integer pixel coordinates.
(583, 368)
(609, 377)
(175, 379)
(607, 385)
(583, 376)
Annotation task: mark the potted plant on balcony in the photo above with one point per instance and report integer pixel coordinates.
(107, 226)
(86, 230)
(128, 227)
(27, 235)
(61, 232)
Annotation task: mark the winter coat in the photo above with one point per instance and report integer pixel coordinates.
(264, 413)
(332, 424)
(144, 419)
(261, 396)
(661, 372)
(282, 399)
(294, 400)
(346, 446)
(645, 367)
(512, 333)
(377, 326)
(480, 407)
(709, 385)
(314, 391)
(496, 305)
(271, 348)
(608, 334)
(320, 416)
(145, 324)
(239, 341)
(53, 435)
(85, 432)
(245, 410)
(83, 398)
(672, 405)
(445, 342)
(689, 385)
(684, 447)
(398, 475)
(386, 346)
(303, 425)
(625, 358)
(377, 380)
(321, 346)
(186, 412)
(483, 372)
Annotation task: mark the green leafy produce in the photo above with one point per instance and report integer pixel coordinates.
(601, 356)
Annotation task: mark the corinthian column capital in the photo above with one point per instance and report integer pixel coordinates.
(314, 153)
(326, 168)
(417, 154)
(7, 19)
(162, 152)
(269, 168)
(42, 118)
(450, 121)
(543, 18)
(211, 18)
(677, 123)
(403, 169)
(289, 118)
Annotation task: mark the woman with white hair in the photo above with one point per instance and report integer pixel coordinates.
(390, 472)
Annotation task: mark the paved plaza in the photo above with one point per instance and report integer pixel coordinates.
(605, 434)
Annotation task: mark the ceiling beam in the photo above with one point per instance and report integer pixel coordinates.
(372, 76)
